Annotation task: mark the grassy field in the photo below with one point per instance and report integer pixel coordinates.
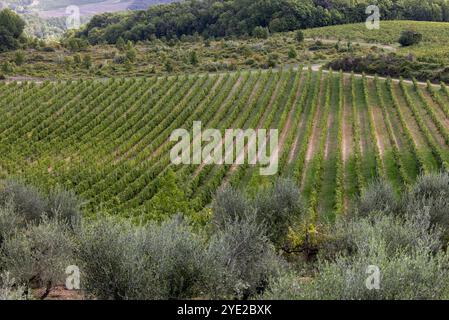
(433, 48)
(109, 140)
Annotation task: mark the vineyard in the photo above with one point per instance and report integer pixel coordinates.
(109, 140)
(432, 49)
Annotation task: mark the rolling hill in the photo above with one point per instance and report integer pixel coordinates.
(109, 140)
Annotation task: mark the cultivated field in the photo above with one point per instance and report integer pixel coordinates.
(433, 48)
(109, 140)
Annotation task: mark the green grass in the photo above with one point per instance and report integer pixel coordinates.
(433, 48)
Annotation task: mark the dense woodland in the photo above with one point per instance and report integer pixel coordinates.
(218, 18)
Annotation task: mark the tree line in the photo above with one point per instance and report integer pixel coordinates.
(219, 18)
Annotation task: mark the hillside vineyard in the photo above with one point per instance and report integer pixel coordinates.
(109, 140)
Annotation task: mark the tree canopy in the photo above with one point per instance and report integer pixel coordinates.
(221, 18)
(11, 28)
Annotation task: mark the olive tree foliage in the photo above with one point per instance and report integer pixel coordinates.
(110, 262)
(170, 261)
(37, 256)
(402, 277)
(430, 194)
(32, 205)
(36, 234)
(379, 197)
(278, 206)
(10, 290)
(122, 262)
(352, 236)
(243, 259)
(407, 254)
(27, 201)
(404, 238)
(229, 205)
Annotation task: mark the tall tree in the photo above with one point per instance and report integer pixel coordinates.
(11, 28)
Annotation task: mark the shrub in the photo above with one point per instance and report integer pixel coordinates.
(120, 44)
(27, 200)
(66, 206)
(10, 221)
(407, 253)
(378, 197)
(420, 275)
(38, 256)
(9, 290)
(292, 54)
(193, 58)
(430, 194)
(177, 257)
(299, 36)
(409, 37)
(19, 57)
(76, 44)
(8, 67)
(229, 204)
(131, 54)
(31, 205)
(355, 235)
(279, 207)
(110, 264)
(244, 259)
(87, 61)
(261, 32)
(120, 59)
(121, 261)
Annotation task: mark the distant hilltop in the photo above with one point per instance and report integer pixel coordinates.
(56, 9)
(144, 4)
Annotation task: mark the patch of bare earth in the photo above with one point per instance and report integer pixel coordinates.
(347, 128)
(289, 122)
(381, 133)
(314, 138)
(301, 124)
(408, 117)
(59, 293)
(330, 123)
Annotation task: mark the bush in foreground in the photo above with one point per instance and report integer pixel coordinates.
(407, 255)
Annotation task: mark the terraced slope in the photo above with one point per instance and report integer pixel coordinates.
(109, 140)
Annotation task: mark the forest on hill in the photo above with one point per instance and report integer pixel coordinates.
(217, 18)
